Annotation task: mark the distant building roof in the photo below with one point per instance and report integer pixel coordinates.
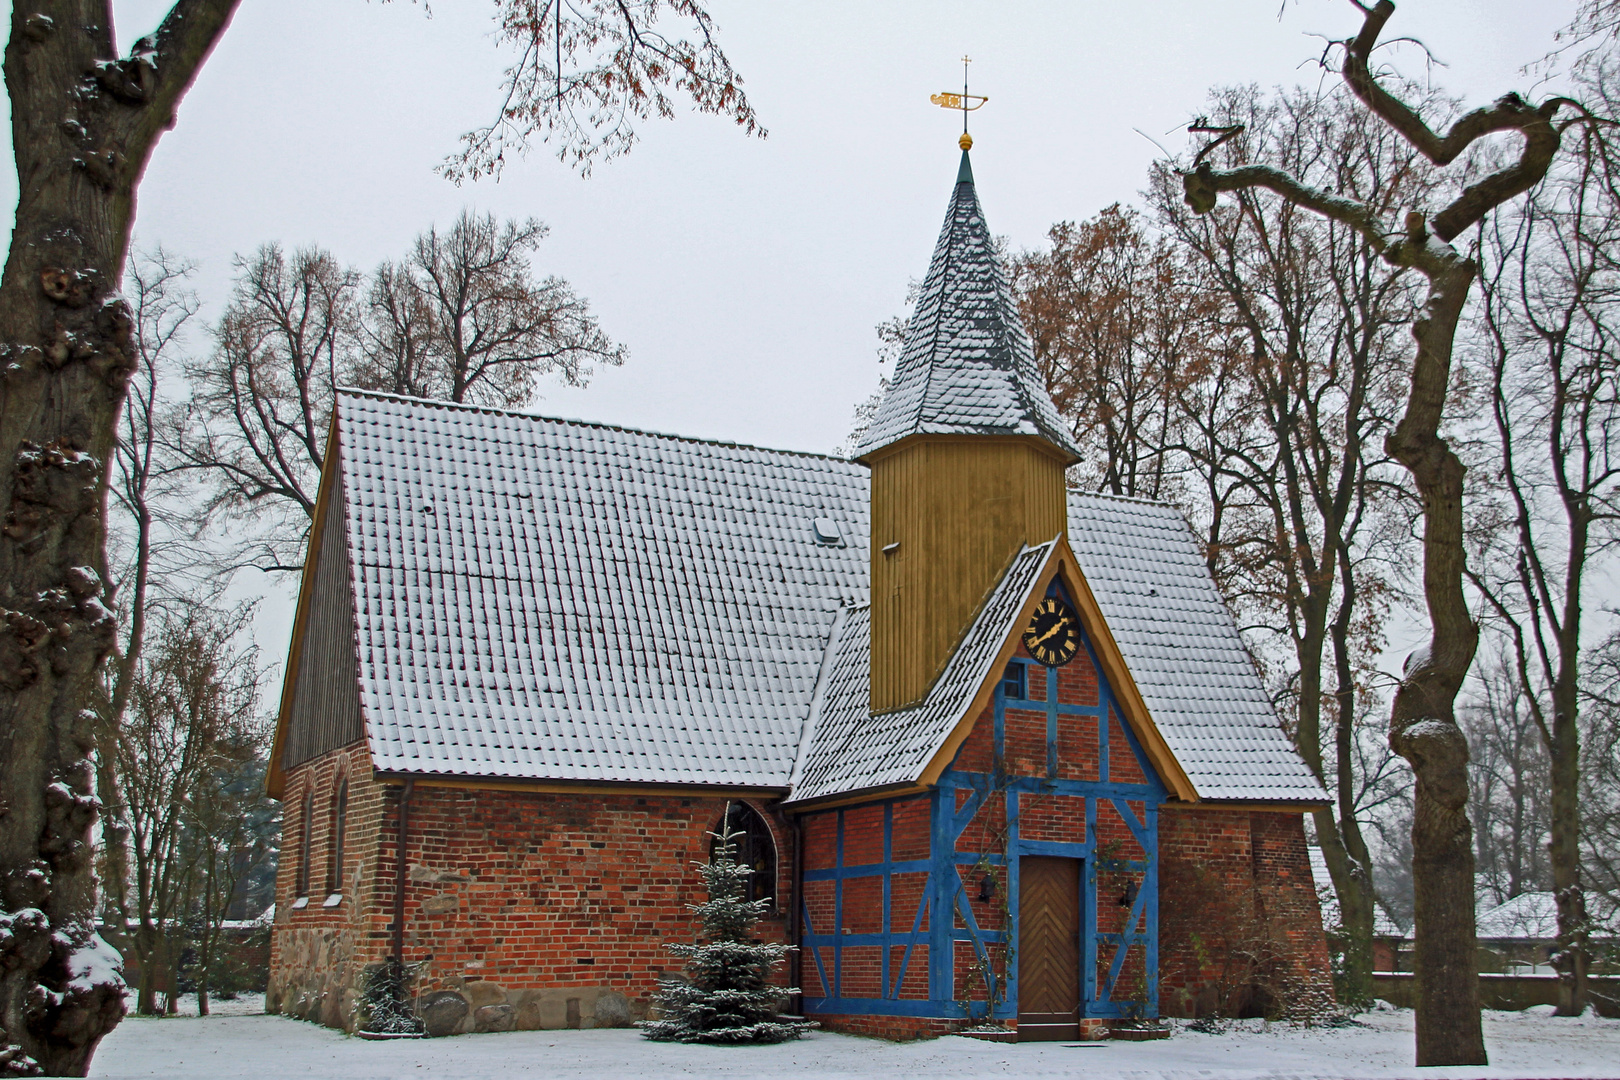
(551, 600)
(1533, 916)
(967, 367)
(1383, 924)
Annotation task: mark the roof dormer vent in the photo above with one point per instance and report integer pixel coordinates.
(827, 531)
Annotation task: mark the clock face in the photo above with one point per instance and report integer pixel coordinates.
(1053, 636)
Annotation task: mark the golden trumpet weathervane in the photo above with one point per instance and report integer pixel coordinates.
(965, 101)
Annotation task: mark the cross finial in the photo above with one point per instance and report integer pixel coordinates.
(965, 101)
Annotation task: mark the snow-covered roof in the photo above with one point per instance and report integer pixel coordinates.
(552, 600)
(1182, 646)
(1328, 898)
(967, 366)
(546, 599)
(847, 749)
(1531, 916)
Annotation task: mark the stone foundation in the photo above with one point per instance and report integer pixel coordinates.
(481, 1005)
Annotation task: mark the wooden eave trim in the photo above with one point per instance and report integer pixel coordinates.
(1122, 682)
(273, 781)
(987, 689)
(1039, 442)
(851, 798)
(1281, 806)
(1134, 708)
(576, 787)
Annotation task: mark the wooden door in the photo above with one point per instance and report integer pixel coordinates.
(1048, 948)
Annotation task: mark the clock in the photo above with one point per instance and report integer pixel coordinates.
(1053, 636)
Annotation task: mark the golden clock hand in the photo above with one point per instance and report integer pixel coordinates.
(1055, 628)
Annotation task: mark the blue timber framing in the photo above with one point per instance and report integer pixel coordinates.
(945, 901)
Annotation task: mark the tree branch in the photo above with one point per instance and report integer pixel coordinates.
(171, 58)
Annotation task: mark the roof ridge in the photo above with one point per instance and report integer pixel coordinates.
(1138, 499)
(601, 425)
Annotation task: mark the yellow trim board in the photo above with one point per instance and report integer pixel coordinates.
(274, 781)
(578, 787)
(1037, 441)
(1133, 708)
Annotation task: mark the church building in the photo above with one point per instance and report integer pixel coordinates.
(995, 747)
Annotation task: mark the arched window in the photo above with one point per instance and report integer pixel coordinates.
(340, 822)
(755, 848)
(306, 842)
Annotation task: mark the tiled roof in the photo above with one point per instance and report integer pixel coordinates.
(1182, 647)
(547, 599)
(850, 750)
(967, 366)
(1328, 899)
(1533, 916)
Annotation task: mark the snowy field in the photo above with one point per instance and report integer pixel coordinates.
(242, 1047)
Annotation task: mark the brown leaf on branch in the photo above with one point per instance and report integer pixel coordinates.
(588, 70)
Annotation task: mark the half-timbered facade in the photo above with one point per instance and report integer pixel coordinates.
(997, 748)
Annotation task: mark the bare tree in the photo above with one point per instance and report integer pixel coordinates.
(1551, 300)
(588, 70)
(141, 566)
(1319, 317)
(1423, 726)
(227, 835)
(1600, 789)
(1117, 332)
(191, 688)
(1508, 780)
(85, 119)
(261, 402)
(463, 319)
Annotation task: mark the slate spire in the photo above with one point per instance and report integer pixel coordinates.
(967, 367)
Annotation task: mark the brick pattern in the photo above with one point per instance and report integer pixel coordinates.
(1240, 927)
(317, 950)
(511, 893)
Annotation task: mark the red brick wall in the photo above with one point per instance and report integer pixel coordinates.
(516, 896)
(1240, 928)
(316, 952)
(862, 969)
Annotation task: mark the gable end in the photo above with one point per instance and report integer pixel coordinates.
(323, 710)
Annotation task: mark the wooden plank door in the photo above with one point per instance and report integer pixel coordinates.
(1048, 948)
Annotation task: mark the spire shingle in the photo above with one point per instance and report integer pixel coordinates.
(967, 367)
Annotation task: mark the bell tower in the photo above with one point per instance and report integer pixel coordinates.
(967, 454)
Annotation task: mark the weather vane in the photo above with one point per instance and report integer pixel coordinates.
(965, 101)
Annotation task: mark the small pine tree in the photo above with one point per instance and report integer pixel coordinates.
(727, 996)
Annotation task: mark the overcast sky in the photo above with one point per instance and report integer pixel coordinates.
(745, 275)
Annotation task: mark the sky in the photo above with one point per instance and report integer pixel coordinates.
(745, 275)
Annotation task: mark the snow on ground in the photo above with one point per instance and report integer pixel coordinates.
(1530, 1044)
(240, 1005)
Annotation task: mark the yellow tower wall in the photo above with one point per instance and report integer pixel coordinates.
(959, 507)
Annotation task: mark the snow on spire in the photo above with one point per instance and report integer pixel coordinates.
(968, 367)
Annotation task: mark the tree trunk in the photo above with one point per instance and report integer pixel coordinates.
(83, 125)
(146, 990)
(1423, 724)
(1571, 957)
(1349, 863)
